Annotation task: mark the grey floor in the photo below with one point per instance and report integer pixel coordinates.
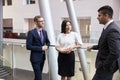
(29, 75)
(24, 75)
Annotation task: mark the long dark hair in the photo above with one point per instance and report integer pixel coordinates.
(63, 26)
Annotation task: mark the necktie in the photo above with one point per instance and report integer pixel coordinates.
(103, 30)
(41, 37)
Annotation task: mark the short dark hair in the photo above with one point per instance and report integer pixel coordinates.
(63, 26)
(36, 18)
(106, 10)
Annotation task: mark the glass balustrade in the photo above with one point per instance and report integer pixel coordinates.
(16, 57)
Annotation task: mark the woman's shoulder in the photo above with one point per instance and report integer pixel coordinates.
(72, 32)
(60, 34)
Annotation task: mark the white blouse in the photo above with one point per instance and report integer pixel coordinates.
(68, 40)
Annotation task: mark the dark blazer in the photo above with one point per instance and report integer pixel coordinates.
(34, 44)
(108, 48)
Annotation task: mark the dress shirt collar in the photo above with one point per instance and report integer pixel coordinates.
(106, 25)
(39, 29)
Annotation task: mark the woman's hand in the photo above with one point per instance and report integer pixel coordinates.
(68, 50)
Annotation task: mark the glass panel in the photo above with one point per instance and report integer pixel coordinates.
(7, 59)
(17, 58)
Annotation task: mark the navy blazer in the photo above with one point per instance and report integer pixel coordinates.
(34, 44)
(108, 47)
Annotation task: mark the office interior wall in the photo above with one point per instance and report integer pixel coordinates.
(19, 11)
(84, 8)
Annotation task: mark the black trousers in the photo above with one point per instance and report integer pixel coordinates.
(105, 74)
(38, 68)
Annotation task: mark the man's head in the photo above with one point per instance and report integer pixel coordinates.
(39, 21)
(105, 14)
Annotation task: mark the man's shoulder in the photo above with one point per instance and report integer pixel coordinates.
(113, 26)
(44, 30)
(32, 30)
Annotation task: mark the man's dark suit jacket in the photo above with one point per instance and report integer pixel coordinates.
(34, 44)
(108, 48)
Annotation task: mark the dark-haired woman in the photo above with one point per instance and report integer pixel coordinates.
(67, 42)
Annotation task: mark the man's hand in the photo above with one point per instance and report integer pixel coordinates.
(89, 48)
(45, 47)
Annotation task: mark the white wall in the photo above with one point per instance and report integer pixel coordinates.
(18, 11)
(84, 8)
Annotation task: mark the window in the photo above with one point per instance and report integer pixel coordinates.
(3, 2)
(30, 1)
(9, 2)
(7, 25)
(65, 0)
(30, 23)
(84, 26)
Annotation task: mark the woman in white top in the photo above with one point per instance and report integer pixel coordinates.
(67, 41)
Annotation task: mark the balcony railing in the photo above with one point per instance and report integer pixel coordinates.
(17, 58)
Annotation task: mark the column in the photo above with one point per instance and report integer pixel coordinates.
(81, 53)
(1, 26)
(52, 54)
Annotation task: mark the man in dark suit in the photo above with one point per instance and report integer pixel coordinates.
(108, 46)
(38, 42)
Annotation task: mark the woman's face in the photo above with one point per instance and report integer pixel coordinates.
(68, 27)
